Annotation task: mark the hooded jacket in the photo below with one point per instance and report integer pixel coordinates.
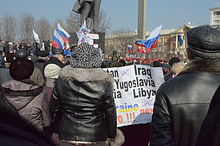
(27, 98)
(182, 103)
(85, 98)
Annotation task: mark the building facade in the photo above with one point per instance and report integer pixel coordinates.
(168, 44)
(214, 14)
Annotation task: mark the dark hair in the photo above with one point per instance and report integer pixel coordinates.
(122, 61)
(116, 64)
(156, 64)
(105, 64)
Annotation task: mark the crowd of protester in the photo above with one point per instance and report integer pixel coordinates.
(48, 98)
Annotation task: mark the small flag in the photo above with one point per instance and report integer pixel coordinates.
(65, 36)
(36, 37)
(130, 48)
(82, 38)
(83, 34)
(151, 41)
(57, 40)
(180, 40)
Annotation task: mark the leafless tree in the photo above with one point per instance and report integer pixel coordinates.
(104, 22)
(122, 38)
(26, 27)
(58, 20)
(8, 28)
(43, 29)
(73, 22)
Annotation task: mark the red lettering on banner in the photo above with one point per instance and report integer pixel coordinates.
(146, 111)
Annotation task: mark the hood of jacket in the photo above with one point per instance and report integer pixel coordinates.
(85, 75)
(19, 94)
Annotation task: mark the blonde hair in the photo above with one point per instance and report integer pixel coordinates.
(178, 67)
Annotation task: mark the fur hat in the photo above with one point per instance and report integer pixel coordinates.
(204, 42)
(21, 69)
(52, 71)
(85, 56)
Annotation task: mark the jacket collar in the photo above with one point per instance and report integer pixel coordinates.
(21, 88)
(32, 92)
(201, 65)
(84, 75)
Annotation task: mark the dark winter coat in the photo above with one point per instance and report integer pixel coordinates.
(54, 60)
(85, 98)
(39, 62)
(15, 131)
(182, 103)
(28, 100)
(210, 130)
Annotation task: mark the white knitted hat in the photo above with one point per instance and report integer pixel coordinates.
(52, 71)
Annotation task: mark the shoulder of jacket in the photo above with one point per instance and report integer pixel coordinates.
(84, 75)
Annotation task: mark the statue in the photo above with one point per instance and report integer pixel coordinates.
(88, 9)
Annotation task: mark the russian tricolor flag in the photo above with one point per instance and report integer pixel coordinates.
(57, 40)
(152, 39)
(130, 48)
(60, 37)
(65, 36)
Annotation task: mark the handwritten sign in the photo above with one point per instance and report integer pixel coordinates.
(134, 92)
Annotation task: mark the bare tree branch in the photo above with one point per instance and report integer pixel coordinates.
(8, 28)
(43, 29)
(123, 37)
(73, 22)
(26, 27)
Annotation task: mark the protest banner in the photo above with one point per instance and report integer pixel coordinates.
(135, 89)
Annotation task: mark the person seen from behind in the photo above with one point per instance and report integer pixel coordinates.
(182, 103)
(84, 95)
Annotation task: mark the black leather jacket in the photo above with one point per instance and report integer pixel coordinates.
(85, 98)
(182, 103)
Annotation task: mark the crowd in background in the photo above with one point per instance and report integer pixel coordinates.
(40, 66)
(49, 98)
